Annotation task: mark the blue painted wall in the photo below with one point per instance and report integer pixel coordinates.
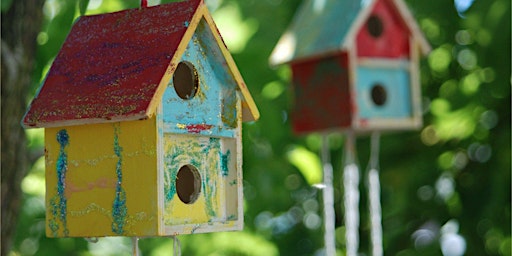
(397, 85)
(214, 105)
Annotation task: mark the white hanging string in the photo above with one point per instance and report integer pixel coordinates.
(374, 197)
(176, 246)
(91, 239)
(135, 245)
(351, 198)
(328, 196)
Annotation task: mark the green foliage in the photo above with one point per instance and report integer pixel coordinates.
(457, 167)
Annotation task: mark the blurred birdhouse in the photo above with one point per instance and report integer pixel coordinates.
(142, 111)
(354, 65)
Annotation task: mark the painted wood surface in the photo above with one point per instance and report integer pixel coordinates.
(378, 42)
(111, 65)
(114, 179)
(390, 38)
(117, 134)
(213, 110)
(116, 66)
(396, 84)
(215, 159)
(321, 94)
(323, 28)
(100, 180)
(218, 161)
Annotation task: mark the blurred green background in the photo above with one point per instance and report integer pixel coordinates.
(453, 175)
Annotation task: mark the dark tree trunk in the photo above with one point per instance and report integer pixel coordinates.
(20, 27)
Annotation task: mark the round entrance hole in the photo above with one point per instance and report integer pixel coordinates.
(188, 184)
(379, 95)
(375, 26)
(185, 80)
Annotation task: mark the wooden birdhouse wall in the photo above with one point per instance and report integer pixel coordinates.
(321, 93)
(202, 144)
(100, 179)
(212, 111)
(383, 34)
(383, 92)
(385, 79)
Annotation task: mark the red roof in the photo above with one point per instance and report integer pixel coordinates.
(111, 65)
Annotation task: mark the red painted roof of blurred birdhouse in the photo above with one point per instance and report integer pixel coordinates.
(116, 66)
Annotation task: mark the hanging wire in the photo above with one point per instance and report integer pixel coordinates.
(176, 246)
(135, 245)
(351, 198)
(91, 239)
(328, 197)
(374, 196)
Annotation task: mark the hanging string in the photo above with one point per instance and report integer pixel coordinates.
(351, 198)
(176, 246)
(374, 196)
(328, 196)
(135, 245)
(91, 239)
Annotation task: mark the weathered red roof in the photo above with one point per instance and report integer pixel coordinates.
(111, 65)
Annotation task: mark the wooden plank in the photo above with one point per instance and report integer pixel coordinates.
(384, 63)
(410, 21)
(416, 99)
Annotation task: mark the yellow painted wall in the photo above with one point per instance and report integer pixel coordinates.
(203, 153)
(101, 179)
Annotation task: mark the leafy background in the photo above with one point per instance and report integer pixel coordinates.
(451, 176)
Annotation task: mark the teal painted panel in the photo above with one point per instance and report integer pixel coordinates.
(318, 27)
(395, 83)
(212, 111)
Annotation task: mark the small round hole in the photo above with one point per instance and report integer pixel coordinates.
(185, 80)
(379, 95)
(375, 26)
(188, 184)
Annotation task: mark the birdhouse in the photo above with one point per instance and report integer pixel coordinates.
(143, 112)
(354, 65)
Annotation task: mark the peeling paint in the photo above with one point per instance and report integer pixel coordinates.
(131, 220)
(203, 153)
(59, 202)
(119, 210)
(224, 163)
(197, 128)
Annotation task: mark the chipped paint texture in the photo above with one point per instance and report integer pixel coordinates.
(203, 153)
(217, 205)
(213, 109)
(58, 204)
(224, 163)
(126, 54)
(119, 210)
(108, 166)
